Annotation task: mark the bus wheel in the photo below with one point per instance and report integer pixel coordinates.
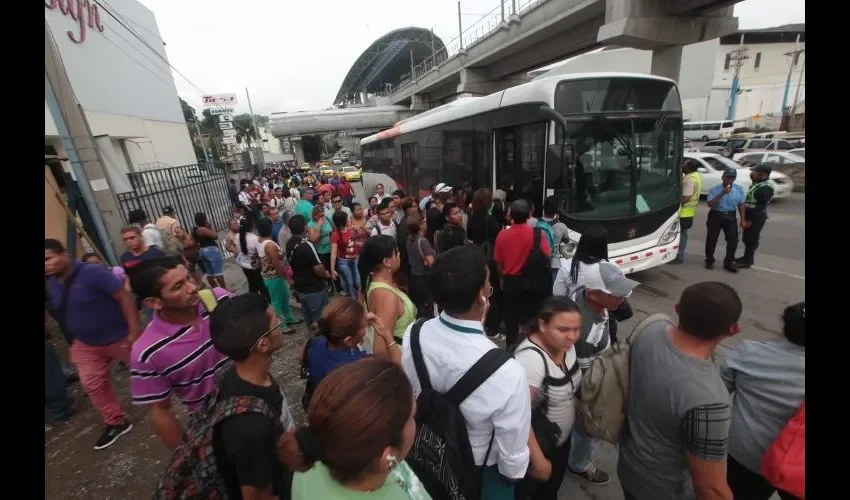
(704, 138)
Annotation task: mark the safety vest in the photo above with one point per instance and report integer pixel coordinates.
(750, 200)
(689, 208)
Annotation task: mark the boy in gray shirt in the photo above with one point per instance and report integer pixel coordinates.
(679, 410)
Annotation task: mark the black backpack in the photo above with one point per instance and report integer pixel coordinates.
(441, 455)
(536, 274)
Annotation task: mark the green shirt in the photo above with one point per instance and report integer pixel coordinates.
(407, 317)
(323, 246)
(317, 483)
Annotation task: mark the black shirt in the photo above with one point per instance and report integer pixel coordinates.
(203, 241)
(449, 237)
(245, 445)
(302, 257)
(482, 227)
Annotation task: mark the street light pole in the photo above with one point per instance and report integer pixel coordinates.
(260, 158)
(459, 28)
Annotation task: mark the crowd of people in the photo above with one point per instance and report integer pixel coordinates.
(406, 301)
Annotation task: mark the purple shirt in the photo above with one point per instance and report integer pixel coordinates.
(176, 358)
(92, 315)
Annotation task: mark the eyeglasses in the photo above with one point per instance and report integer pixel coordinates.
(489, 291)
(271, 330)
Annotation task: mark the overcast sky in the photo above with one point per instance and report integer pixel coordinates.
(293, 55)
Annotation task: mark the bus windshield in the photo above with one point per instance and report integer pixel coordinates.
(619, 166)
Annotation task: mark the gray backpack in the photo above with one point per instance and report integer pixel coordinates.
(605, 386)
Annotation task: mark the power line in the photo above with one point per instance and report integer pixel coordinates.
(120, 20)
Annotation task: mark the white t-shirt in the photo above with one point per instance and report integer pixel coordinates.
(245, 198)
(562, 402)
(243, 258)
(152, 236)
(389, 230)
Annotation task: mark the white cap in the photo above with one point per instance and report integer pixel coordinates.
(608, 278)
(443, 188)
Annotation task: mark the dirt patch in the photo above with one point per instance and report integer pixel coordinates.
(130, 469)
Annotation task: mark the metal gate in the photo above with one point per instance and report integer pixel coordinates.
(188, 189)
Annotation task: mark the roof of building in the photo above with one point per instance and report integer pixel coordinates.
(786, 33)
(387, 60)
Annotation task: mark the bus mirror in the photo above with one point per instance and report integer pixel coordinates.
(548, 113)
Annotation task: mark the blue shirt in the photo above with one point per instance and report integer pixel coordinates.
(92, 315)
(276, 229)
(730, 202)
(321, 360)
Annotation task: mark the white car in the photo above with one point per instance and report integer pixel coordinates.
(801, 152)
(712, 166)
(337, 160)
(780, 157)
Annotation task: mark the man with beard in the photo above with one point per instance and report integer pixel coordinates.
(174, 354)
(246, 330)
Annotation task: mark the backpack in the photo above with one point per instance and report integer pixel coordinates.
(193, 471)
(441, 455)
(784, 463)
(536, 275)
(546, 227)
(378, 227)
(605, 386)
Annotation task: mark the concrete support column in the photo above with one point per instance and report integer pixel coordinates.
(419, 102)
(667, 62)
(474, 82)
(297, 149)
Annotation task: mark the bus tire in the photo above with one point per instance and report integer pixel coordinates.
(704, 138)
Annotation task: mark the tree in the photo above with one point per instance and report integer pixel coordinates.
(245, 130)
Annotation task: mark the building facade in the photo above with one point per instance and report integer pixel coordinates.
(706, 88)
(117, 66)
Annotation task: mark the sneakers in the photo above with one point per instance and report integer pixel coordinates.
(111, 434)
(592, 475)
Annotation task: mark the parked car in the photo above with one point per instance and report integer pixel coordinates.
(337, 160)
(801, 152)
(738, 146)
(779, 157)
(689, 147)
(713, 146)
(712, 166)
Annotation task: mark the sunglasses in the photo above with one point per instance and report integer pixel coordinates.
(268, 332)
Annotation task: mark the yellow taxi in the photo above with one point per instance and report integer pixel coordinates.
(326, 170)
(351, 173)
(305, 167)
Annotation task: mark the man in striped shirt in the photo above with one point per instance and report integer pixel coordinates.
(174, 354)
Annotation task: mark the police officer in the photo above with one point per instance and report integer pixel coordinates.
(724, 199)
(691, 188)
(755, 204)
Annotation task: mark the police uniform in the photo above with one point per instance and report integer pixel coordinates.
(723, 217)
(757, 199)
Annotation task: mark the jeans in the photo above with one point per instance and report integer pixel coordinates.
(347, 269)
(547, 490)
(93, 366)
(312, 305)
(685, 224)
(58, 406)
(582, 451)
(213, 261)
(750, 485)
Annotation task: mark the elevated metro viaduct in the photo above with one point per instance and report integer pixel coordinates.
(554, 30)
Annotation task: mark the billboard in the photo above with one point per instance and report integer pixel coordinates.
(219, 100)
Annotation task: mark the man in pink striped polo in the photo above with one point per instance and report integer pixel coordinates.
(174, 355)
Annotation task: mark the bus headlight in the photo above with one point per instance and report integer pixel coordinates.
(669, 234)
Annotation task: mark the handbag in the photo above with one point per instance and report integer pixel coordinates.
(547, 432)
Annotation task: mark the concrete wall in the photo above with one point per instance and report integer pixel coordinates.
(123, 82)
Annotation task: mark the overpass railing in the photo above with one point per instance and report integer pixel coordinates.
(469, 37)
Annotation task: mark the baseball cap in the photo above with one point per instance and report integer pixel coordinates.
(730, 172)
(168, 209)
(764, 168)
(609, 278)
(443, 188)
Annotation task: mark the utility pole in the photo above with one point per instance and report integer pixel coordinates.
(459, 28)
(260, 158)
(797, 94)
(737, 58)
(433, 50)
(412, 74)
(794, 55)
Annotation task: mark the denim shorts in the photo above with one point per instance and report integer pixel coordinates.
(312, 305)
(213, 261)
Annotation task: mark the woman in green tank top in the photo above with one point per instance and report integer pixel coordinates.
(379, 259)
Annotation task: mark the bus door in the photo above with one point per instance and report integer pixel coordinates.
(520, 152)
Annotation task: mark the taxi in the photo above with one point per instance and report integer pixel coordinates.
(305, 167)
(326, 170)
(351, 173)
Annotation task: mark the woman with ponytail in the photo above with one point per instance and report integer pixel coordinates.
(379, 259)
(248, 258)
(359, 429)
(340, 332)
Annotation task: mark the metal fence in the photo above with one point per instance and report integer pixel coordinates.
(188, 189)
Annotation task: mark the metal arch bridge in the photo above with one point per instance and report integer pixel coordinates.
(388, 60)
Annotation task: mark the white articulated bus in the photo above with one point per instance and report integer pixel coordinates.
(608, 145)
